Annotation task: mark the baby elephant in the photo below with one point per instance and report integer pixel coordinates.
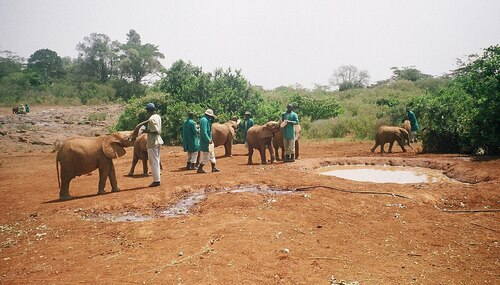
(141, 152)
(260, 138)
(386, 134)
(82, 155)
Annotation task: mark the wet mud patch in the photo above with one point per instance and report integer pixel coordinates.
(453, 169)
(385, 174)
(182, 207)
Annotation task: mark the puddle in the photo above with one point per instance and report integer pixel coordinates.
(265, 190)
(385, 174)
(122, 217)
(182, 207)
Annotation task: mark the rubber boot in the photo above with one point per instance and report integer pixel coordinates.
(214, 169)
(200, 169)
(292, 157)
(287, 158)
(188, 166)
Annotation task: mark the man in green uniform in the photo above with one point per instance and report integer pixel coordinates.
(206, 143)
(190, 141)
(414, 125)
(247, 124)
(290, 118)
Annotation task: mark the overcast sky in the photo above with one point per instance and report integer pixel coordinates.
(274, 43)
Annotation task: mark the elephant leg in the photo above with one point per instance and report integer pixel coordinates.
(262, 150)
(382, 147)
(64, 191)
(103, 176)
(112, 178)
(401, 144)
(145, 167)
(250, 154)
(271, 153)
(297, 149)
(229, 151)
(134, 163)
(283, 152)
(276, 153)
(375, 147)
(390, 146)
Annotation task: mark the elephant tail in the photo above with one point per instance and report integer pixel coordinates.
(57, 168)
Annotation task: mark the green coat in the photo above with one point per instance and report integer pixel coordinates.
(289, 131)
(244, 129)
(413, 121)
(205, 132)
(190, 136)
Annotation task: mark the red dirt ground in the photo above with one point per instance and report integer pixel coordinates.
(306, 237)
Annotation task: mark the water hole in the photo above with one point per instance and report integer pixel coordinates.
(183, 206)
(385, 174)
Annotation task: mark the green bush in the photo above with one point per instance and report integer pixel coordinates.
(464, 116)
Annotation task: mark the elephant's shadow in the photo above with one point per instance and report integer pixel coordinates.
(94, 195)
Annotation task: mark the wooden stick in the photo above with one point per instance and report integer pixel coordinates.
(354, 191)
(484, 227)
(471, 211)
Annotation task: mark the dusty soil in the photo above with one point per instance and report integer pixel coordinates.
(316, 236)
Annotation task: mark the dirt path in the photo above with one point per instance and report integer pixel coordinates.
(305, 237)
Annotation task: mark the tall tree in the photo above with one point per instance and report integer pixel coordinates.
(97, 56)
(9, 63)
(349, 77)
(408, 73)
(47, 64)
(138, 60)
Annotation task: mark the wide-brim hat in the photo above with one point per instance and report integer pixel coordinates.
(210, 112)
(248, 113)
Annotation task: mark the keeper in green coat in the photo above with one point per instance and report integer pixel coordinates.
(206, 143)
(245, 125)
(190, 141)
(414, 125)
(291, 119)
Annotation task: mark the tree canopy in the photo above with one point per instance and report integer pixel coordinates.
(349, 77)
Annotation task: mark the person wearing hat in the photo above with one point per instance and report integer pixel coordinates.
(247, 124)
(289, 119)
(414, 125)
(206, 143)
(190, 141)
(153, 131)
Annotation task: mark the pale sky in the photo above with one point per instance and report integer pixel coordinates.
(274, 42)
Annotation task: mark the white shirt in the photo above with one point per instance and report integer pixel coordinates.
(154, 125)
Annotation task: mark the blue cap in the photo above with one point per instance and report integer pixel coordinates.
(150, 106)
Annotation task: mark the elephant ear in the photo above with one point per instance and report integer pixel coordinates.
(265, 132)
(112, 147)
(231, 129)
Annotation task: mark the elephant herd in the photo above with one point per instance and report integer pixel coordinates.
(81, 155)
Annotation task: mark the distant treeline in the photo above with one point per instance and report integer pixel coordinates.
(457, 112)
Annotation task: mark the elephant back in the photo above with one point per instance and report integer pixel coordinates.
(220, 134)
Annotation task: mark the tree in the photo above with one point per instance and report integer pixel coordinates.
(349, 77)
(464, 115)
(137, 60)
(480, 79)
(408, 73)
(9, 63)
(47, 64)
(97, 57)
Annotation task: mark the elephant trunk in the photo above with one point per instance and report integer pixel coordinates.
(137, 128)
